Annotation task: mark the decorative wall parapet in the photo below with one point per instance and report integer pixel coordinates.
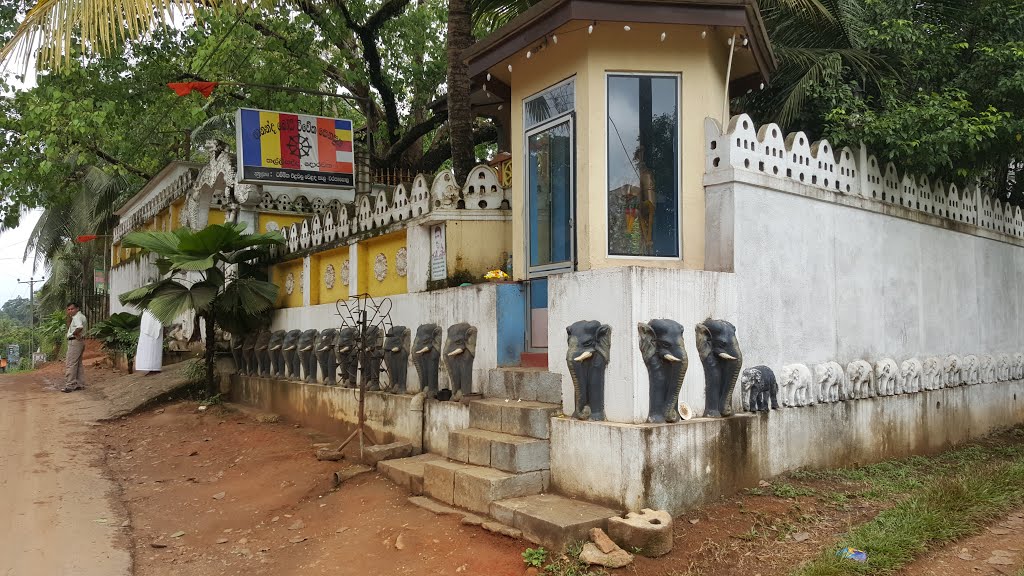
(766, 150)
(138, 216)
(386, 209)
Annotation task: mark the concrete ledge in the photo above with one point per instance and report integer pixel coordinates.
(550, 520)
(408, 472)
(676, 466)
(441, 419)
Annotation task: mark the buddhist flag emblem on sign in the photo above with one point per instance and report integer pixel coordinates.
(277, 147)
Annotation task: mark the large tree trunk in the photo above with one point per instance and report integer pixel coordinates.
(460, 112)
(212, 387)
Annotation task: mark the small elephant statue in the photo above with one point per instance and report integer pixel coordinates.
(887, 373)
(397, 344)
(969, 372)
(459, 353)
(237, 342)
(664, 354)
(290, 350)
(931, 373)
(910, 373)
(370, 357)
(760, 389)
(988, 369)
(830, 380)
(347, 354)
(427, 357)
(326, 357)
(859, 379)
(719, 352)
(1005, 367)
(263, 353)
(277, 354)
(249, 354)
(952, 368)
(590, 344)
(796, 386)
(307, 358)
(1018, 366)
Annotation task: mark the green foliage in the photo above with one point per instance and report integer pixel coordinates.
(194, 371)
(119, 333)
(569, 564)
(18, 310)
(535, 557)
(52, 333)
(13, 333)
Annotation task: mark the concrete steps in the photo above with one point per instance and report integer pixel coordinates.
(521, 418)
(550, 520)
(408, 472)
(531, 384)
(505, 452)
(476, 487)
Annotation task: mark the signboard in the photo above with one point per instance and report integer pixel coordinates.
(294, 149)
(13, 354)
(99, 279)
(438, 253)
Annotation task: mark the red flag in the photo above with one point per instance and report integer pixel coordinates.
(186, 88)
(87, 238)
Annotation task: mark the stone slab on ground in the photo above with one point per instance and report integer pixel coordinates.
(128, 393)
(533, 384)
(550, 520)
(433, 505)
(439, 479)
(372, 455)
(499, 528)
(499, 450)
(408, 472)
(476, 487)
(522, 418)
(593, 555)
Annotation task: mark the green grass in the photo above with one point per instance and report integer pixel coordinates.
(952, 495)
(570, 565)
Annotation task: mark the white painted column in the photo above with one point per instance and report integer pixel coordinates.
(417, 241)
(251, 220)
(306, 282)
(353, 269)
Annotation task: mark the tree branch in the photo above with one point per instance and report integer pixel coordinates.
(114, 161)
(442, 150)
(411, 136)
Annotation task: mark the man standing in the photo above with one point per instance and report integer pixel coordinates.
(74, 374)
(150, 351)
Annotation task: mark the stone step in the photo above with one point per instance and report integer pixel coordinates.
(506, 452)
(408, 472)
(522, 418)
(533, 384)
(373, 455)
(552, 521)
(475, 487)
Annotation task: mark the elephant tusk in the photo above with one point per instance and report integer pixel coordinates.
(395, 349)
(725, 356)
(345, 349)
(456, 352)
(671, 358)
(585, 356)
(424, 350)
(275, 348)
(306, 349)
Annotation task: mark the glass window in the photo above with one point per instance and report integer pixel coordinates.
(643, 165)
(550, 194)
(554, 101)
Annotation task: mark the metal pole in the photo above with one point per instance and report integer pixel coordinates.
(31, 316)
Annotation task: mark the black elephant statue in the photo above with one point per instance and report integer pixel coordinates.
(371, 356)
(249, 354)
(237, 342)
(326, 356)
(290, 350)
(427, 357)
(263, 354)
(590, 345)
(664, 354)
(459, 353)
(276, 354)
(347, 354)
(396, 357)
(720, 354)
(760, 389)
(307, 358)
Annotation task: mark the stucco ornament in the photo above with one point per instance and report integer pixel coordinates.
(272, 226)
(380, 267)
(302, 281)
(344, 273)
(289, 283)
(329, 276)
(402, 262)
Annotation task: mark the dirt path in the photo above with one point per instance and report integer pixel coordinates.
(999, 550)
(58, 514)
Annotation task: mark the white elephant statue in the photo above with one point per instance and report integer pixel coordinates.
(951, 368)
(859, 379)
(1018, 366)
(969, 371)
(988, 369)
(910, 376)
(931, 375)
(830, 381)
(796, 385)
(887, 374)
(1003, 367)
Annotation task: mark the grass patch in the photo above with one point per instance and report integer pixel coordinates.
(942, 507)
(569, 564)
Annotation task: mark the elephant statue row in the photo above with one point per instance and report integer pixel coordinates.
(338, 357)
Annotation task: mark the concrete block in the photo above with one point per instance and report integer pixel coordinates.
(551, 521)
(650, 532)
(375, 454)
(533, 384)
(458, 446)
(480, 450)
(522, 418)
(486, 414)
(520, 455)
(439, 480)
(476, 487)
(408, 472)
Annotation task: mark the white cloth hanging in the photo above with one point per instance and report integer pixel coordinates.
(150, 353)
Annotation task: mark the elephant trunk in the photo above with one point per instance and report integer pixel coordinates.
(577, 400)
(672, 409)
(733, 376)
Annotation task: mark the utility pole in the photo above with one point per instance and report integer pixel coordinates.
(31, 315)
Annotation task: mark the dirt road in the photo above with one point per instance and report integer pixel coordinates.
(59, 514)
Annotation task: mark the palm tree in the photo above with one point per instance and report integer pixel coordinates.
(198, 266)
(460, 111)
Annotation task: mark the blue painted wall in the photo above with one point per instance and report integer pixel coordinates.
(511, 314)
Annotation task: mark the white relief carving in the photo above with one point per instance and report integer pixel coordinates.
(272, 226)
(932, 375)
(1018, 366)
(969, 373)
(952, 368)
(860, 376)
(910, 376)
(329, 276)
(380, 267)
(1004, 367)
(344, 273)
(402, 262)
(988, 369)
(796, 386)
(886, 375)
(830, 381)
(289, 283)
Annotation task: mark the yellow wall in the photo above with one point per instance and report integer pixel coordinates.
(319, 292)
(278, 274)
(368, 251)
(701, 65)
(216, 216)
(477, 247)
(283, 221)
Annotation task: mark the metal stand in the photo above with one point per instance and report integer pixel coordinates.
(361, 312)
